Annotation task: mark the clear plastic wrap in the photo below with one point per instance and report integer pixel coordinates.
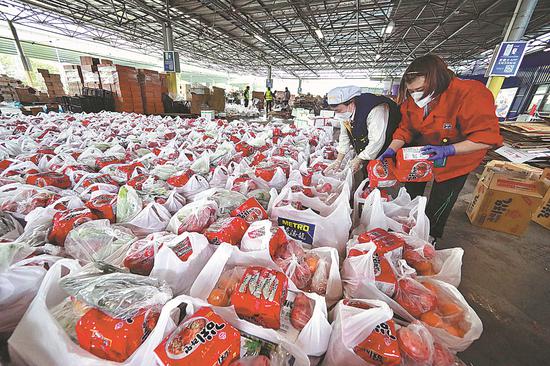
(193, 217)
(120, 295)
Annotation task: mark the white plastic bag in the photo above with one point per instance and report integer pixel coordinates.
(39, 340)
(174, 202)
(153, 218)
(329, 226)
(401, 215)
(18, 286)
(350, 327)
(180, 275)
(312, 339)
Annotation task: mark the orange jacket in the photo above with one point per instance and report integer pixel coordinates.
(465, 111)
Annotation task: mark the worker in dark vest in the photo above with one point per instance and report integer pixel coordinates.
(268, 96)
(246, 95)
(368, 124)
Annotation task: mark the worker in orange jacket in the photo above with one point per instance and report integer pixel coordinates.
(454, 120)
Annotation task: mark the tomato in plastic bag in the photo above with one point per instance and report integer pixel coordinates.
(112, 338)
(302, 311)
(260, 296)
(179, 180)
(260, 360)
(203, 339)
(45, 179)
(64, 221)
(251, 210)
(104, 206)
(414, 297)
(226, 230)
(442, 356)
(420, 259)
(413, 346)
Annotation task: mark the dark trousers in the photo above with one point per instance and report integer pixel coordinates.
(268, 104)
(246, 102)
(442, 199)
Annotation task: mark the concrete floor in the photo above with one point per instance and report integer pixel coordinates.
(506, 279)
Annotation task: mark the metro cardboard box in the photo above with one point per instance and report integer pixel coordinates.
(506, 197)
(542, 214)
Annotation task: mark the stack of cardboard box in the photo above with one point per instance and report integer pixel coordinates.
(26, 95)
(74, 79)
(90, 75)
(509, 195)
(53, 83)
(7, 88)
(123, 82)
(163, 83)
(151, 91)
(217, 99)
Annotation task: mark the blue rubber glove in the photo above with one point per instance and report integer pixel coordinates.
(389, 153)
(438, 152)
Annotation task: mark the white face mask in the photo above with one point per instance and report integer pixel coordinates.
(345, 115)
(421, 102)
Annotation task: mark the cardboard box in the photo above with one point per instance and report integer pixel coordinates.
(542, 213)
(505, 200)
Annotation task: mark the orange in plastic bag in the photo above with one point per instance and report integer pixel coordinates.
(204, 339)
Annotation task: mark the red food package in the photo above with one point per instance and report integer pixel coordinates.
(380, 173)
(259, 157)
(112, 338)
(138, 181)
(260, 296)
(102, 162)
(128, 169)
(203, 339)
(413, 166)
(385, 242)
(265, 172)
(103, 178)
(380, 347)
(103, 206)
(64, 221)
(179, 180)
(414, 297)
(307, 177)
(251, 210)
(226, 230)
(385, 279)
(302, 311)
(244, 148)
(54, 179)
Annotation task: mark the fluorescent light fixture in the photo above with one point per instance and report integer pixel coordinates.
(319, 33)
(389, 27)
(259, 38)
(377, 57)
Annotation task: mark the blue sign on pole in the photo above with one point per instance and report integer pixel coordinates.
(171, 61)
(508, 58)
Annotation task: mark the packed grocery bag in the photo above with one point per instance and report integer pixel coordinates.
(402, 214)
(90, 319)
(310, 220)
(252, 287)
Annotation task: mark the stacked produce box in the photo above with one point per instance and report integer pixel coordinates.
(167, 241)
(53, 83)
(123, 82)
(151, 91)
(74, 79)
(90, 75)
(7, 88)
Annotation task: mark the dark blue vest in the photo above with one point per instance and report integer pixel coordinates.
(364, 104)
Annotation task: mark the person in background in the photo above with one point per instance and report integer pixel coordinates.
(268, 96)
(368, 123)
(246, 95)
(286, 98)
(455, 121)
